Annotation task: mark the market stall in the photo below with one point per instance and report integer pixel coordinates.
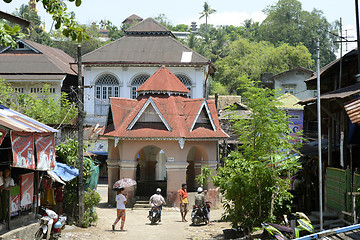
(27, 150)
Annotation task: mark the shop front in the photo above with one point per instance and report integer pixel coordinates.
(27, 152)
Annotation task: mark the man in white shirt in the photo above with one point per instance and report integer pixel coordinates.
(157, 200)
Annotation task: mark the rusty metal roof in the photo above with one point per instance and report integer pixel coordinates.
(36, 59)
(19, 122)
(340, 93)
(163, 80)
(352, 108)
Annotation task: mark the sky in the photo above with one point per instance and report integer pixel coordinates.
(228, 12)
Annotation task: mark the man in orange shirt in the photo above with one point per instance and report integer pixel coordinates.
(183, 202)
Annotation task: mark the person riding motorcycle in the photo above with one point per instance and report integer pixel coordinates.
(157, 200)
(200, 201)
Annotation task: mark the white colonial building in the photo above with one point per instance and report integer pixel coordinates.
(119, 68)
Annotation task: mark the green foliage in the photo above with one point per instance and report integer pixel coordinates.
(46, 107)
(251, 59)
(203, 178)
(286, 22)
(252, 179)
(91, 199)
(9, 34)
(68, 153)
(63, 20)
(207, 11)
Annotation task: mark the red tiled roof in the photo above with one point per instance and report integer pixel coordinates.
(179, 113)
(163, 80)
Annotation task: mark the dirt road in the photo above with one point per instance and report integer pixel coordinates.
(138, 226)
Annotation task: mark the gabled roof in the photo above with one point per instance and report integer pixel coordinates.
(163, 81)
(148, 26)
(35, 59)
(291, 70)
(178, 113)
(290, 102)
(143, 47)
(133, 17)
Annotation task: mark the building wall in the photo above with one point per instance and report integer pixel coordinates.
(294, 78)
(123, 160)
(27, 87)
(125, 76)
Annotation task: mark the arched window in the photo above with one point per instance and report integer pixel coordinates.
(106, 86)
(137, 82)
(185, 80)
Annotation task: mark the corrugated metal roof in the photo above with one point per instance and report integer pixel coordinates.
(163, 80)
(26, 77)
(352, 108)
(40, 59)
(294, 69)
(289, 101)
(340, 93)
(19, 122)
(148, 25)
(179, 113)
(162, 50)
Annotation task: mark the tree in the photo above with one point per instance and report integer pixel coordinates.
(251, 59)
(48, 108)
(35, 32)
(253, 180)
(63, 19)
(286, 22)
(207, 11)
(163, 20)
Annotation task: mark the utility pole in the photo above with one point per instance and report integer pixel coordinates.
(319, 135)
(357, 32)
(80, 100)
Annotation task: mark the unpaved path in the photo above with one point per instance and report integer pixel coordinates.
(138, 225)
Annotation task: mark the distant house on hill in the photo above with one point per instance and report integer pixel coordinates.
(293, 82)
(119, 68)
(31, 65)
(133, 19)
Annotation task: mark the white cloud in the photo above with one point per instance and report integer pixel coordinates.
(230, 18)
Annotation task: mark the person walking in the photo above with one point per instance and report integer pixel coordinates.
(120, 205)
(183, 202)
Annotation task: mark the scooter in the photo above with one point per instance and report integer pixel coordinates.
(300, 226)
(198, 214)
(154, 215)
(51, 225)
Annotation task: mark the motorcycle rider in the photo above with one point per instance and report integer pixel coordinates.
(200, 201)
(157, 200)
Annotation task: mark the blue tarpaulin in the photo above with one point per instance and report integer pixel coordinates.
(65, 172)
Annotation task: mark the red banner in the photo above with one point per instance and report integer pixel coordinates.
(3, 133)
(45, 151)
(23, 149)
(26, 189)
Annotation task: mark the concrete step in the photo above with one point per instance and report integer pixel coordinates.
(141, 206)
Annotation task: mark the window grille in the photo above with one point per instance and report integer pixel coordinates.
(137, 82)
(107, 79)
(184, 79)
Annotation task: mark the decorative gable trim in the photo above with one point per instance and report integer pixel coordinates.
(137, 117)
(17, 42)
(203, 105)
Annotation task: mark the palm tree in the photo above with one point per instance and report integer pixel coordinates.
(206, 12)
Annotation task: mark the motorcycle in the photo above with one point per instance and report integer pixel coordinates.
(154, 215)
(198, 214)
(51, 225)
(300, 226)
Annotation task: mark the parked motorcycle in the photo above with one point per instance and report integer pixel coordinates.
(300, 226)
(51, 225)
(198, 214)
(154, 215)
